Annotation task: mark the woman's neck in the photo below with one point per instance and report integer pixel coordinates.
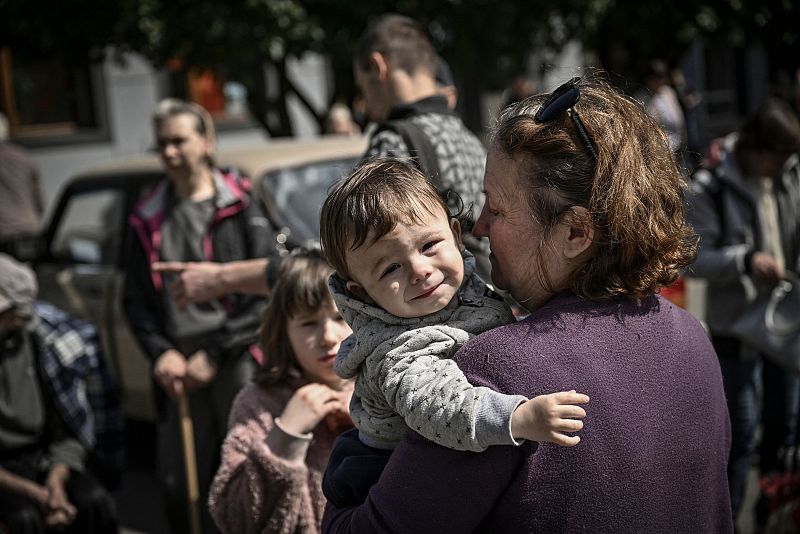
(197, 186)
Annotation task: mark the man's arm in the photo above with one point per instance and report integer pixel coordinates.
(204, 281)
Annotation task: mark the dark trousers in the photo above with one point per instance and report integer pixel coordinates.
(209, 407)
(353, 468)
(96, 508)
(758, 392)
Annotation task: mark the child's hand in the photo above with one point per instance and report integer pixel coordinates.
(308, 406)
(546, 417)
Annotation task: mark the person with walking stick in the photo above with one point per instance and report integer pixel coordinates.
(202, 353)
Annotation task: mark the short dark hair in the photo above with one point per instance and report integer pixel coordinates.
(368, 204)
(773, 126)
(402, 39)
(633, 191)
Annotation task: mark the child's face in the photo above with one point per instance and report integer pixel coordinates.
(414, 270)
(315, 338)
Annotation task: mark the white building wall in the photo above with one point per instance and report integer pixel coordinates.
(131, 91)
(310, 75)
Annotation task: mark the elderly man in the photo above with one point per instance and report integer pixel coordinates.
(52, 387)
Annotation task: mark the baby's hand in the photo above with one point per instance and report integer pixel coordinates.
(546, 417)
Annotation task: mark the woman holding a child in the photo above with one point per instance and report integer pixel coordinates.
(584, 217)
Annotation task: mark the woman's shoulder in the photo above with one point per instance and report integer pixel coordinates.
(567, 323)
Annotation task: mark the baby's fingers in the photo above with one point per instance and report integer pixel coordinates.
(568, 425)
(571, 411)
(570, 397)
(564, 440)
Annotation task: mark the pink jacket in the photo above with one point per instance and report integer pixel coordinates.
(268, 480)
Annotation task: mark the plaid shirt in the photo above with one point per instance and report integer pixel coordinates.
(74, 373)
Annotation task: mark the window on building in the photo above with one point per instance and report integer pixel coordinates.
(47, 101)
(226, 100)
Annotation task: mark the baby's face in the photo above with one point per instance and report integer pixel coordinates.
(414, 270)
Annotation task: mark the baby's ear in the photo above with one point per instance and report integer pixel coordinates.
(455, 226)
(356, 289)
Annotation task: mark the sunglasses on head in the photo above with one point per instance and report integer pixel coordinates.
(564, 99)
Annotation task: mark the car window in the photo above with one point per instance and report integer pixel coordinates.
(89, 230)
(296, 195)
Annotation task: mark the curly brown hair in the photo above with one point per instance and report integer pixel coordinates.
(633, 191)
(301, 287)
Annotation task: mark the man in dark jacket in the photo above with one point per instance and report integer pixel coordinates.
(746, 209)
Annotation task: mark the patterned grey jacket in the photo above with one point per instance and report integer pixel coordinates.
(406, 379)
(460, 155)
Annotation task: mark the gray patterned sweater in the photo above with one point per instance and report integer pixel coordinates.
(460, 155)
(406, 378)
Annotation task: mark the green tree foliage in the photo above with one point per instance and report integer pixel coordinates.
(486, 42)
(625, 34)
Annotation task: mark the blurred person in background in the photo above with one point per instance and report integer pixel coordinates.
(340, 121)
(521, 88)
(746, 209)
(21, 203)
(206, 351)
(60, 416)
(661, 101)
(689, 99)
(395, 68)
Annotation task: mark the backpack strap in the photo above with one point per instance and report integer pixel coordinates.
(712, 184)
(419, 146)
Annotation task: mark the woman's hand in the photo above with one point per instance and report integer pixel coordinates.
(309, 405)
(170, 371)
(546, 417)
(200, 370)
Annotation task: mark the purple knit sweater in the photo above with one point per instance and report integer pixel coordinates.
(653, 453)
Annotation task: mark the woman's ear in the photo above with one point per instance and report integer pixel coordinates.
(578, 232)
(455, 226)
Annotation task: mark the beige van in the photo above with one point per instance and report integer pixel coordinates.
(82, 254)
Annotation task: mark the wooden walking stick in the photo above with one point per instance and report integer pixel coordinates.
(190, 462)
